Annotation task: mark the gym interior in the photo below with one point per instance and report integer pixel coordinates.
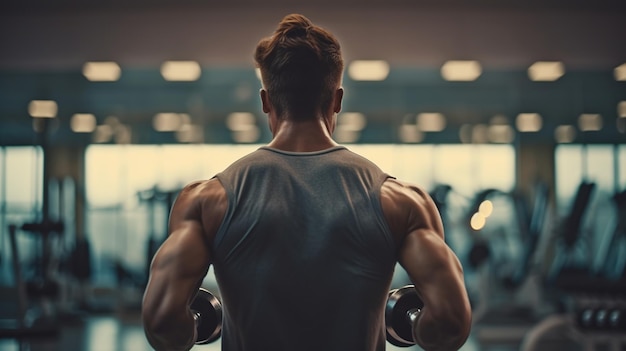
(511, 114)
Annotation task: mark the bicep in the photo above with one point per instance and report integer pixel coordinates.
(177, 269)
(431, 265)
(184, 254)
(435, 271)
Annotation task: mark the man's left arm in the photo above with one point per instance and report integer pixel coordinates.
(176, 273)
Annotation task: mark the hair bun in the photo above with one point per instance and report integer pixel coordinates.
(294, 25)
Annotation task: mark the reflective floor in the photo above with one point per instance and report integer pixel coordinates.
(121, 330)
(109, 333)
(115, 333)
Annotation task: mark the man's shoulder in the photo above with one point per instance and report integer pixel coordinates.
(407, 204)
(399, 190)
(405, 194)
(256, 157)
(207, 189)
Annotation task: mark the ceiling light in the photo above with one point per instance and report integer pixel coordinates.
(190, 133)
(410, 133)
(83, 123)
(105, 71)
(166, 122)
(500, 133)
(499, 120)
(42, 108)
(465, 133)
(590, 122)
(480, 134)
(485, 208)
(528, 122)
(182, 71)
(620, 72)
(240, 121)
(112, 121)
(478, 221)
(122, 134)
(546, 71)
(250, 134)
(565, 134)
(463, 71)
(103, 134)
(370, 70)
(431, 121)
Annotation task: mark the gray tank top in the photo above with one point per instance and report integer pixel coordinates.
(304, 257)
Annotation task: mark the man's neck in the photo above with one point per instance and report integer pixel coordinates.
(302, 136)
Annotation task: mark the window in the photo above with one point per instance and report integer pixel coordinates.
(21, 182)
(119, 222)
(590, 163)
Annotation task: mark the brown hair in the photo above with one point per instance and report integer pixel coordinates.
(301, 66)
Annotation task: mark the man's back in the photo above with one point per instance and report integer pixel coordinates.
(304, 256)
(304, 244)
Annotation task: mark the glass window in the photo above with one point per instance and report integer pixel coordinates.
(410, 163)
(591, 163)
(3, 170)
(21, 183)
(621, 151)
(119, 223)
(568, 175)
(471, 168)
(103, 173)
(600, 167)
(215, 158)
(120, 220)
(24, 177)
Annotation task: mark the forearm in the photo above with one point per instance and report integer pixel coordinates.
(171, 332)
(437, 333)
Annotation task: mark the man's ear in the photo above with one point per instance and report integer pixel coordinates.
(337, 100)
(265, 101)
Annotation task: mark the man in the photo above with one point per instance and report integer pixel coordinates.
(303, 234)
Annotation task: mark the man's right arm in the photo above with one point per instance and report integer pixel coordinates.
(434, 269)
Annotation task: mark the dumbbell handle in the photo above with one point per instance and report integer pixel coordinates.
(206, 310)
(413, 314)
(197, 318)
(402, 311)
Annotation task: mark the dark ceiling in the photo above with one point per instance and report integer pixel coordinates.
(44, 44)
(540, 5)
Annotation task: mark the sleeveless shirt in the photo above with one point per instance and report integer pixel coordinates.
(304, 256)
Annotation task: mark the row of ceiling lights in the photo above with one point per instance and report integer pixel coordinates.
(360, 70)
(244, 127)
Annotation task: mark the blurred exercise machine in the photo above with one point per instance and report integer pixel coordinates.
(593, 302)
(569, 245)
(43, 286)
(27, 324)
(505, 259)
(157, 200)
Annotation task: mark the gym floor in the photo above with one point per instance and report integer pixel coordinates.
(109, 333)
(124, 333)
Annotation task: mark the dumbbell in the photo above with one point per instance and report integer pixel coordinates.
(207, 312)
(617, 319)
(602, 319)
(402, 309)
(586, 318)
